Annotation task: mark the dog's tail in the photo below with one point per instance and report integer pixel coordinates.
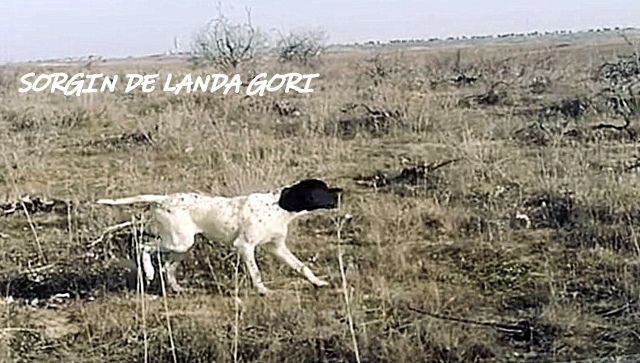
(144, 198)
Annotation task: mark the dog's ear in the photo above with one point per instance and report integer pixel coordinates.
(287, 201)
(284, 192)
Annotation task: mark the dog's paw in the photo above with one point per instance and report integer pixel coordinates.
(148, 283)
(320, 283)
(177, 289)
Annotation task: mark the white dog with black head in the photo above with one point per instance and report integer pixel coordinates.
(246, 221)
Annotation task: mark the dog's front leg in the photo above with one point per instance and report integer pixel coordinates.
(281, 251)
(147, 265)
(248, 253)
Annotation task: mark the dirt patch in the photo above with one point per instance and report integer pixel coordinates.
(497, 94)
(411, 180)
(581, 225)
(103, 266)
(361, 119)
(487, 211)
(77, 279)
(572, 108)
(495, 270)
(326, 225)
(598, 285)
(34, 205)
(551, 210)
(531, 335)
(125, 140)
(618, 237)
(531, 301)
(578, 223)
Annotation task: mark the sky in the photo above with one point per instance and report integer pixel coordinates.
(45, 29)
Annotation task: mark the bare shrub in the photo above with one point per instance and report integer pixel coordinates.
(7, 81)
(379, 69)
(227, 44)
(619, 71)
(302, 46)
(38, 119)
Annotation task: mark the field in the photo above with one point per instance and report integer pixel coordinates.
(492, 190)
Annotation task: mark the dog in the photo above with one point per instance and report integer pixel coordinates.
(245, 221)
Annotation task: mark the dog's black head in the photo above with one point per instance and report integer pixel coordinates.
(308, 195)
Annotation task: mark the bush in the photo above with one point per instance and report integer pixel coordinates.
(227, 44)
(303, 46)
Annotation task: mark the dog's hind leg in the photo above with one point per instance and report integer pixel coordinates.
(147, 266)
(170, 265)
(248, 254)
(178, 236)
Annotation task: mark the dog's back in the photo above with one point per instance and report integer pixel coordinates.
(138, 199)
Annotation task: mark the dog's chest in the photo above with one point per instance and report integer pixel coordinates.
(262, 212)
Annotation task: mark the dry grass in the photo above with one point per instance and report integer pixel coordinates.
(428, 259)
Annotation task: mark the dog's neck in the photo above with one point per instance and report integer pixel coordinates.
(290, 214)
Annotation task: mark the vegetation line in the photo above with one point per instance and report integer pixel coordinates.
(166, 309)
(505, 328)
(43, 258)
(345, 290)
(141, 291)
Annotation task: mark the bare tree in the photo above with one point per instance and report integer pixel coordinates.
(227, 44)
(302, 45)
